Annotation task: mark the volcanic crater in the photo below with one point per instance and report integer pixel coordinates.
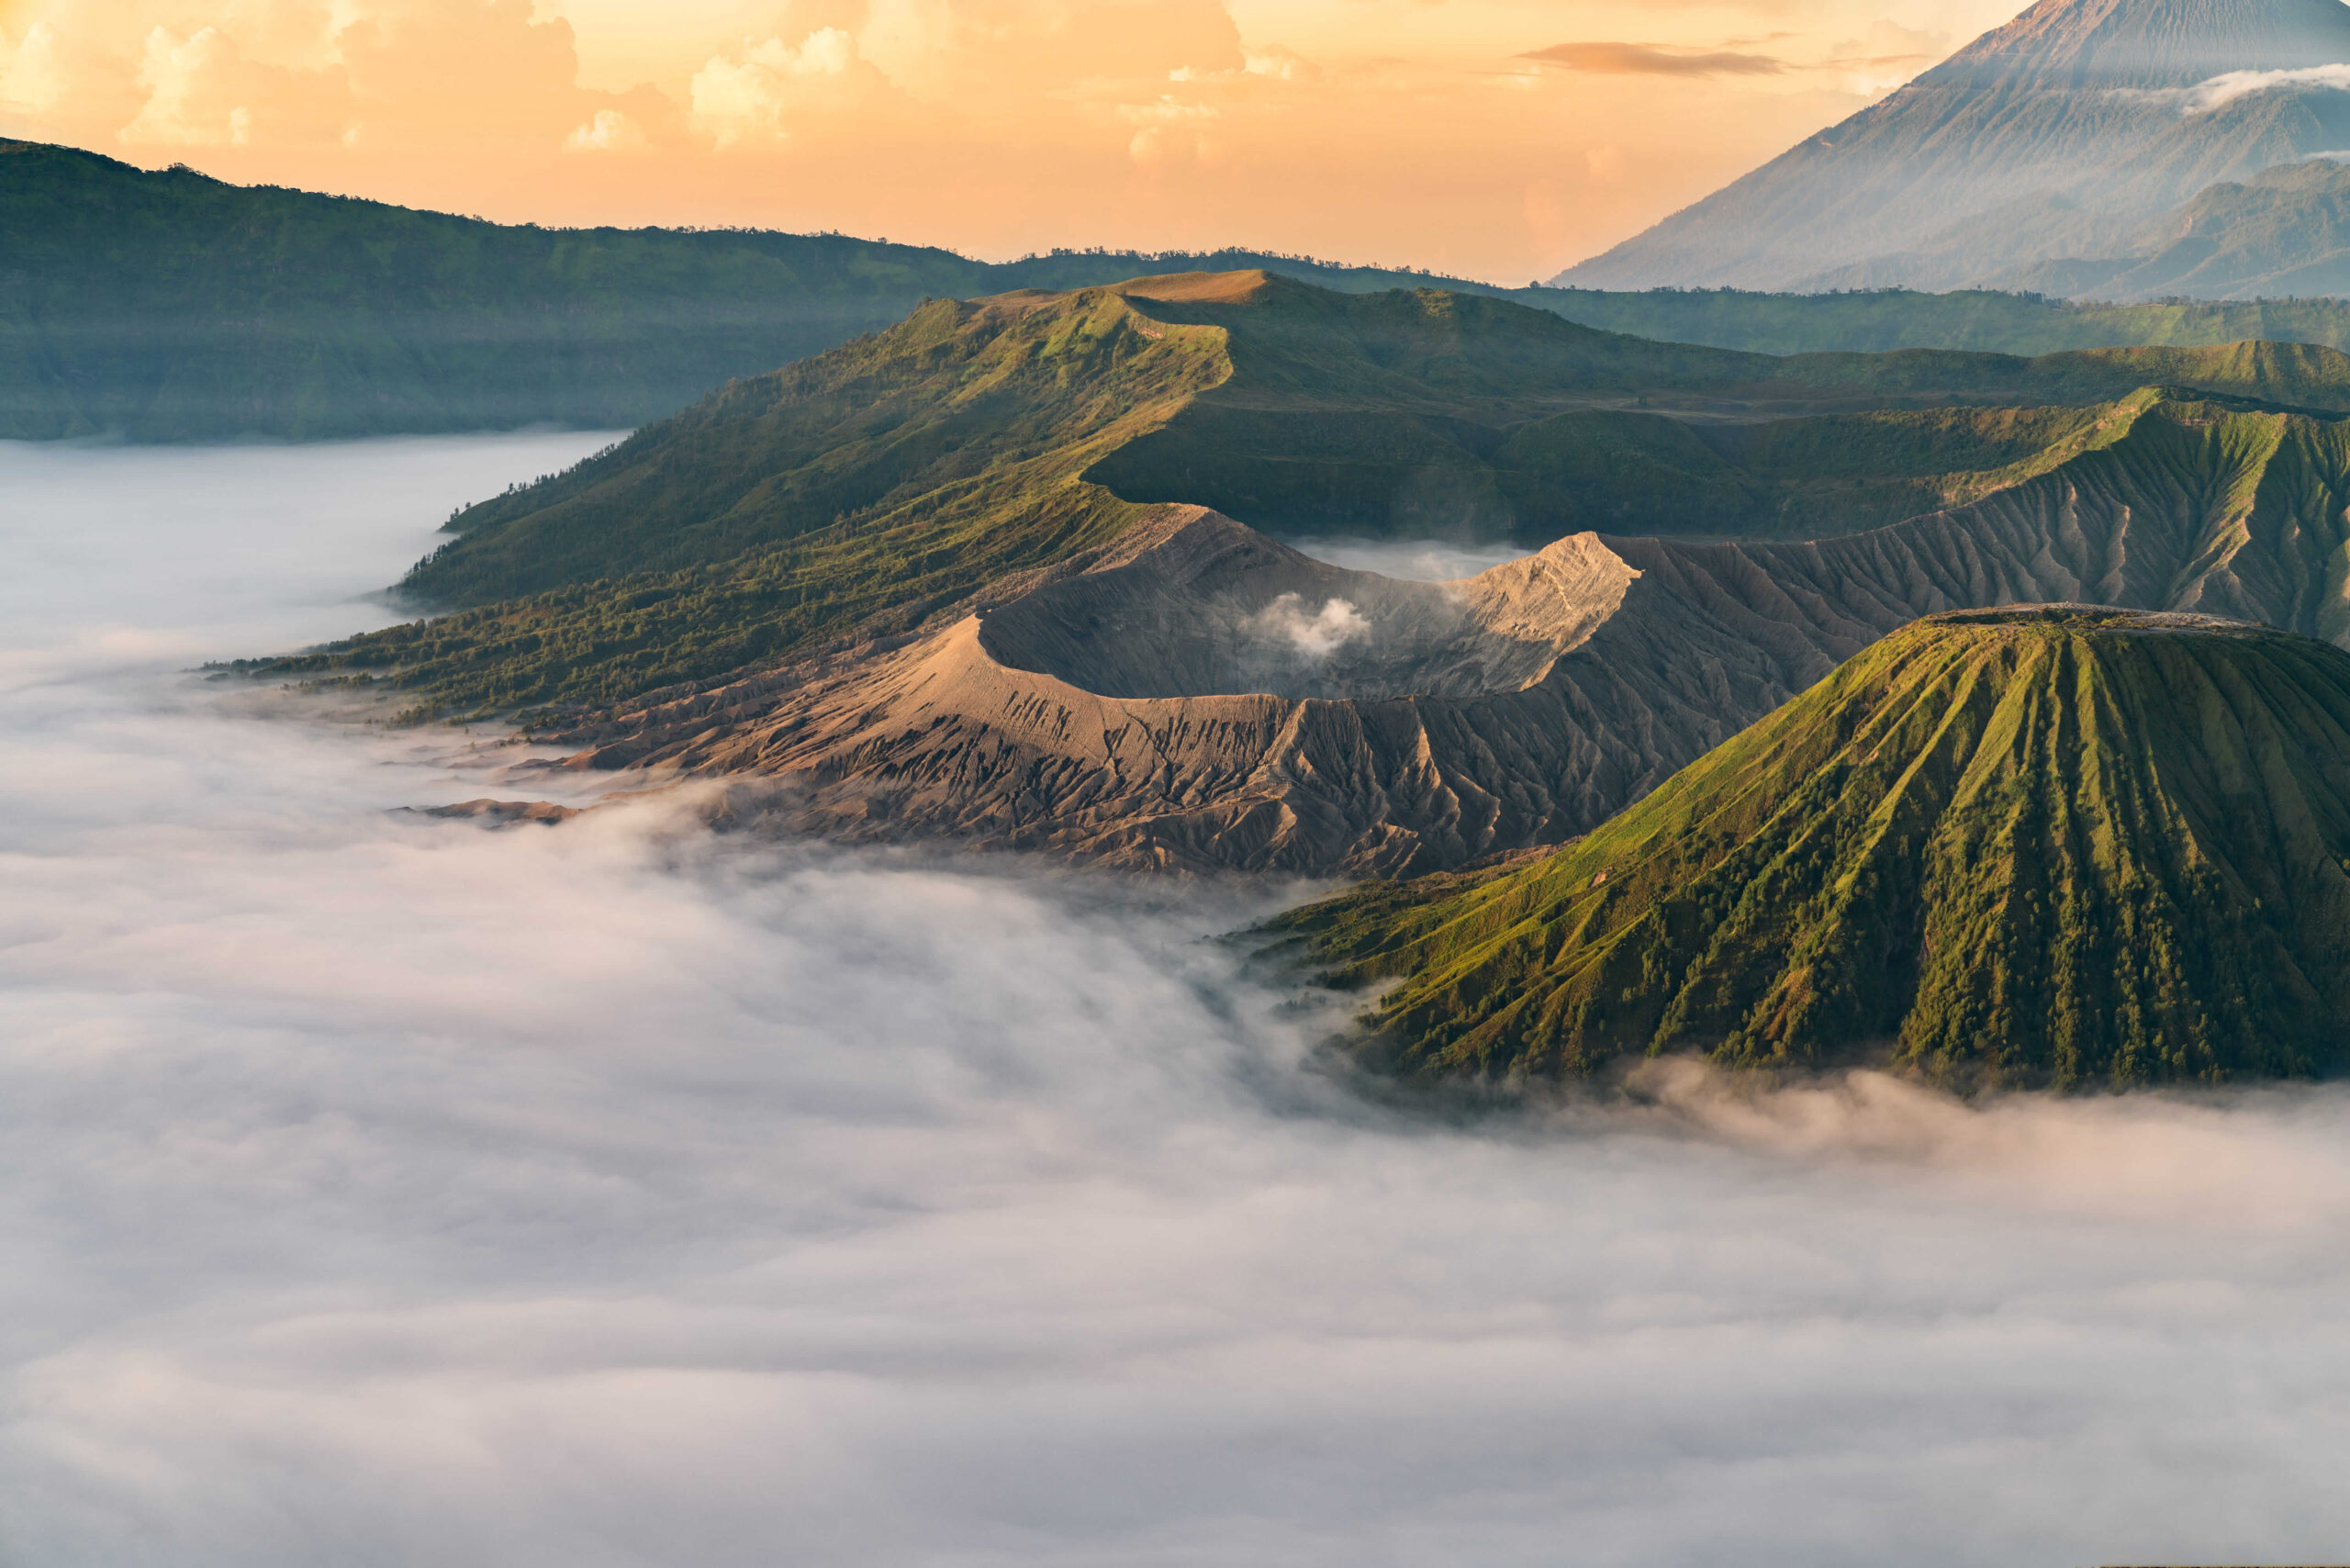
(1210, 608)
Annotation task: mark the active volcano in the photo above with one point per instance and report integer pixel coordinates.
(1011, 574)
(2063, 134)
(2051, 845)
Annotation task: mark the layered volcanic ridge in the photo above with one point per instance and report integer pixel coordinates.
(2047, 845)
(1197, 696)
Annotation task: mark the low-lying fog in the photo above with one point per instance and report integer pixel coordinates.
(388, 1192)
(1413, 560)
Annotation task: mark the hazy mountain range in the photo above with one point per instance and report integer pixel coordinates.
(2091, 147)
(169, 307)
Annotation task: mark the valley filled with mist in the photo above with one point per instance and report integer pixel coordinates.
(682, 894)
(385, 1188)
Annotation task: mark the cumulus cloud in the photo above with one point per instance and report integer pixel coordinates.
(609, 131)
(32, 78)
(753, 94)
(1280, 64)
(199, 92)
(374, 75)
(618, 1195)
(1173, 130)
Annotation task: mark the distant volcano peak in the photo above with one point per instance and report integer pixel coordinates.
(2151, 43)
(2067, 133)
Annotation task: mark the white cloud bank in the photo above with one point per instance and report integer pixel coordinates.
(607, 1195)
(2221, 91)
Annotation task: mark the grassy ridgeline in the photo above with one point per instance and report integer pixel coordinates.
(2062, 847)
(1874, 321)
(170, 307)
(858, 492)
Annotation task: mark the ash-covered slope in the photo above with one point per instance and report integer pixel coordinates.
(2063, 133)
(2058, 846)
(1197, 696)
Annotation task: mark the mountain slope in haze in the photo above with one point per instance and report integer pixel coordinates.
(878, 484)
(2061, 134)
(166, 306)
(2285, 232)
(2061, 845)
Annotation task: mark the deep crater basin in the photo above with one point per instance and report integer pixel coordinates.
(1208, 607)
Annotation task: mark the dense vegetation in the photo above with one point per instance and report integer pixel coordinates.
(2062, 846)
(167, 306)
(855, 493)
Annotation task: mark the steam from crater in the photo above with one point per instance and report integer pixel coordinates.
(1314, 636)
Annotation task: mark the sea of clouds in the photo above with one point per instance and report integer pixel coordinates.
(385, 1191)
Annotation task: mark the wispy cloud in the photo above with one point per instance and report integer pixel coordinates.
(1654, 60)
(2221, 91)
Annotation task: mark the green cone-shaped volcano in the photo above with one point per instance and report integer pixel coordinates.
(2051, 845)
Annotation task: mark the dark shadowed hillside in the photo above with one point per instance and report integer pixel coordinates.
(2285, 232)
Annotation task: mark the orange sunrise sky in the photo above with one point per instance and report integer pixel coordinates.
(1481, 137)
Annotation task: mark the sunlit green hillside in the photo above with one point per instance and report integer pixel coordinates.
(2060, 848)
